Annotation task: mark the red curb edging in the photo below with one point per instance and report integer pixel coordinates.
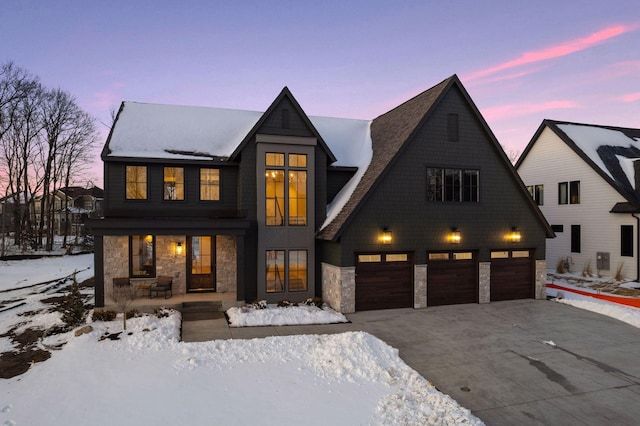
(622, 300)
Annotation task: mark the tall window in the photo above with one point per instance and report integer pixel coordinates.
(575, 239)
(569, 192)
(537, 193)
(453, 185)
(136, 182)
(142, 262)
(174, 183)
(209, 184)
(626, 240)
(281, 277)
(294, 206)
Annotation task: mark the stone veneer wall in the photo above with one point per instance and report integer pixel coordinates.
(420, 286)
(116, 262)
(484, 278)
(541, 279)
(226, 263)
(339, 287)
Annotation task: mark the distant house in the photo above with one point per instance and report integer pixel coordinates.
(418, 207)
(71, 207)
(586, 180)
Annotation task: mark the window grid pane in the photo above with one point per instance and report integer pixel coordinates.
(274, 197)
(173, 183)
(297, 198)
(136, 182)
(297, 270)
(275, 271)
(274, 159)
(209, 184)
(141, 256)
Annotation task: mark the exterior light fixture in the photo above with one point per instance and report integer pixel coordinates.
(179, 248)
(386, 237)
(514, 236)
(454, 236)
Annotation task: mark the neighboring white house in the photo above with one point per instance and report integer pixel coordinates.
(586, 180)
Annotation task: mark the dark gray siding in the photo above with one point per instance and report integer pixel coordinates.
(337, 178)
(155, 206)
(399, 201)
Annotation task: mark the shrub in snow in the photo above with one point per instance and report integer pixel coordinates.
(314, 301)
(284, 304)
(133, 313)
(259, 304)
(108, 315)
(72, 307)
(123, 296)
(162, 312)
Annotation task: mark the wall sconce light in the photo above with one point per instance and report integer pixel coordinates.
(514, 236)
(179, 248)
(454, 236)
(386, 237)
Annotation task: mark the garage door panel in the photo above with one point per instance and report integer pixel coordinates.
(384, 285)
(451, 282)
(512, 279)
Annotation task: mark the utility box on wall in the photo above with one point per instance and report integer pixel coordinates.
(602, 261)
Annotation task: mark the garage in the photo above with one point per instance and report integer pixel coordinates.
(384, 281)
(512, 275)
(452, 278)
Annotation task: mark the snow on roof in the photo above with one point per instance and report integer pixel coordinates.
(627, 167)
(188, 132)
(197, 133)
(590, 138)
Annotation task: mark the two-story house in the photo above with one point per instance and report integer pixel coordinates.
(415, 208)
(586, 180)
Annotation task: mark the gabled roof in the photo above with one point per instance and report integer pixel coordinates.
(610, 151)
(390, 133)
(285, 93)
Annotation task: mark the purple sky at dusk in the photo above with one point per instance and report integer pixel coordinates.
(521, 62)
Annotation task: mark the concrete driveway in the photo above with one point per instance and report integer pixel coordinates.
(493, 359)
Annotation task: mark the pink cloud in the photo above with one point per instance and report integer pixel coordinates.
(108, 98)
(515, 110)
(557, 50)
(629, 97)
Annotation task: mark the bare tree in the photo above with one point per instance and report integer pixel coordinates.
(123, 296)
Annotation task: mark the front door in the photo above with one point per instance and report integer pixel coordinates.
(201, 265)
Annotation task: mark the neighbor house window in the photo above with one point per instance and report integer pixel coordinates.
(136, 182)
(173, 183)
(209, 184)
(537, 193)
(288, 201)
(569, 192)
(575, 239)
(626, 240)
(142, 262)
(453, 185)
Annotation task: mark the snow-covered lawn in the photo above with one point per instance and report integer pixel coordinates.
(147, 376)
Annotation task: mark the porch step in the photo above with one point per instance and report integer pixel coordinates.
(199, 311)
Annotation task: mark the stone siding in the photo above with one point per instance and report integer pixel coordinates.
(226, 263)
(339, 287)
(420, 286)
(541, 279)
(484, 278)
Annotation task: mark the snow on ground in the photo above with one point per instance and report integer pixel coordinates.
(626, 314)
(291, 315)
(149, 377)
(21, 273)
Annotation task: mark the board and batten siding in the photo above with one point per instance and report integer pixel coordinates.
(551, 161)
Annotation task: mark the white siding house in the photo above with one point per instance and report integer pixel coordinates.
(595, 219)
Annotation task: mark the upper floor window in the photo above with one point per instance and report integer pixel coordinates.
(142, 261)
(569, 192)
(173, 183)
(626, 240)
(136, 182)
(453, 185)
(537, 193)
(286, 201)
(209, 184)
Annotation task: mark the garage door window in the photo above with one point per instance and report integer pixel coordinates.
(402, 257)
(463, 256)
(499, 254)
(438, 256)
(520, 253)
(369, 258)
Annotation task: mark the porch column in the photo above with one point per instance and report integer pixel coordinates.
(240, 265)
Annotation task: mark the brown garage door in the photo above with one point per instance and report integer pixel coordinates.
(452, 278)
(512, 275)
(384, 281)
